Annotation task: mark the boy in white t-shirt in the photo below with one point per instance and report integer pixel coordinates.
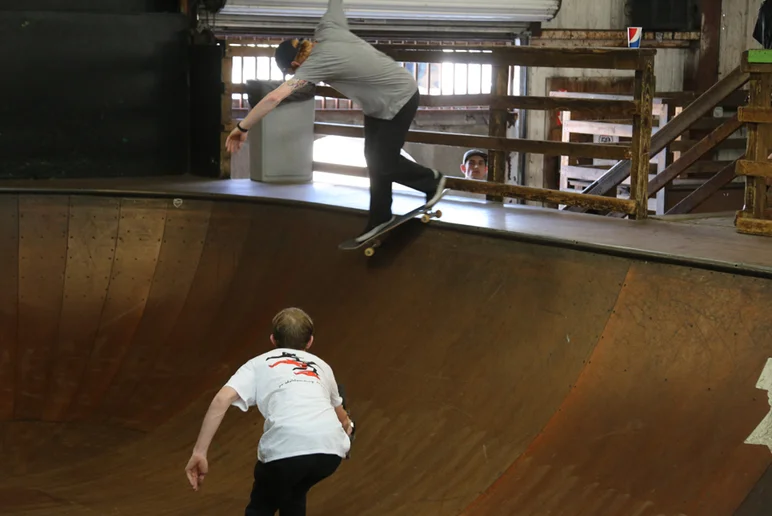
(306, 432)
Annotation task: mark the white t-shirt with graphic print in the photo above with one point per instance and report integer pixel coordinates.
(296, 393)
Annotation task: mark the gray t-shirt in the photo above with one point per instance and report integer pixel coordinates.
(355, 68)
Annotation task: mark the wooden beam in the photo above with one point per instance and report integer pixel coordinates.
(642, 124)
(612, 38)
(569, 34)
(707, 167)
(694, 154)
(591, 107)
(497, 128)
(245, 51)
(754, 168)
(541, 195)
(598, 127)
(759, 144)
(622, 108)
(728, 144)
(345, 170)
(705, 191)
(755, 115)
(591, 173)
(594, 58)
(707, 65)
(754, 67)
(748, 226)
(697, 109)
(582, 150)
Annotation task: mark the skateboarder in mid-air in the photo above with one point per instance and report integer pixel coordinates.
(307, 432)
(387, 93)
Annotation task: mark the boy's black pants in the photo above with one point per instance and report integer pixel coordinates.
(282, 485)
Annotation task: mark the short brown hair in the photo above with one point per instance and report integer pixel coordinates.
(292, 328)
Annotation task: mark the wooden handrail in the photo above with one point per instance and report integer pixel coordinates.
(551, 148)
(754, 168)
(334, 168)
(691, 156)
(705, 191)
(542, 195)
(621, 108)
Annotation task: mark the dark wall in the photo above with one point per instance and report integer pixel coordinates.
(93, 94)
(206, 104)
(101, 6)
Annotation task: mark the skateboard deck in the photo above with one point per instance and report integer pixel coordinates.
(375, 241)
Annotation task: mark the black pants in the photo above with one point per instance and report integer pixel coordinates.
(282, 485)
(384, 140)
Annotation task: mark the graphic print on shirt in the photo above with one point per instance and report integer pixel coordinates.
(300, 367)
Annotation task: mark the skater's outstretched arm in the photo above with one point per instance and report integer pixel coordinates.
(238, 136)
(198, 466)
(335, 14)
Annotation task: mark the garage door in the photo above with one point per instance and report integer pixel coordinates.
(402, 19)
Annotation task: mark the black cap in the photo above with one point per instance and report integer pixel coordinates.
(285, 53)
(475, 152)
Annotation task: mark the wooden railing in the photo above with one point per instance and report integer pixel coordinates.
(754, 165)
(677, 126)
(639, 109)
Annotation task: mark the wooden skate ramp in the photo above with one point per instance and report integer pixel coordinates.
(487, 376)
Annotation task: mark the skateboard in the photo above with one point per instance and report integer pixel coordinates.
(372, 243)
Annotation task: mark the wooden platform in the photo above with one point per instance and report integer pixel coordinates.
(678, 239)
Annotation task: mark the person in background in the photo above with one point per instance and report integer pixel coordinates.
(475, 165)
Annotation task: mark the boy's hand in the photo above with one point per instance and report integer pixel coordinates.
(196, 470)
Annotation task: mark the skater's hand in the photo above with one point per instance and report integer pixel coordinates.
(196, 470)
(235, 140)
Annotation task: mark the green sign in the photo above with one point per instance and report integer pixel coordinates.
(760, 56)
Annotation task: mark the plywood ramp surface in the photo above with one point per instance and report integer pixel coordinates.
(487, 376)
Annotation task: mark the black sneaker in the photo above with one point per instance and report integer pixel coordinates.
(370, 231)
(433, 197)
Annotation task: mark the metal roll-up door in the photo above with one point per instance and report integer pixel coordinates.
(402, 19)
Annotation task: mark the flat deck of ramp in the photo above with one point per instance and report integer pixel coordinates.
(500, 369)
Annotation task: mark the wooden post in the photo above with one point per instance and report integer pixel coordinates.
(226, 114)
(497, 160)
(642, 124)
(707, 66)
(758, 146)
(754, 217)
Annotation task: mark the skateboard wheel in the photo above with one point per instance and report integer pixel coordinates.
(439, 214)
(425, 218)
(369, 251)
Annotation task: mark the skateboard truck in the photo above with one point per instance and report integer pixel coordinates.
(376, 242)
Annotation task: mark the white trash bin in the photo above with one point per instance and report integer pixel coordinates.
(281, 145)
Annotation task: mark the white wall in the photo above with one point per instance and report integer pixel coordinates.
(738, 19)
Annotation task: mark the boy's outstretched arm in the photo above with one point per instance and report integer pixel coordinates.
(198, 466)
